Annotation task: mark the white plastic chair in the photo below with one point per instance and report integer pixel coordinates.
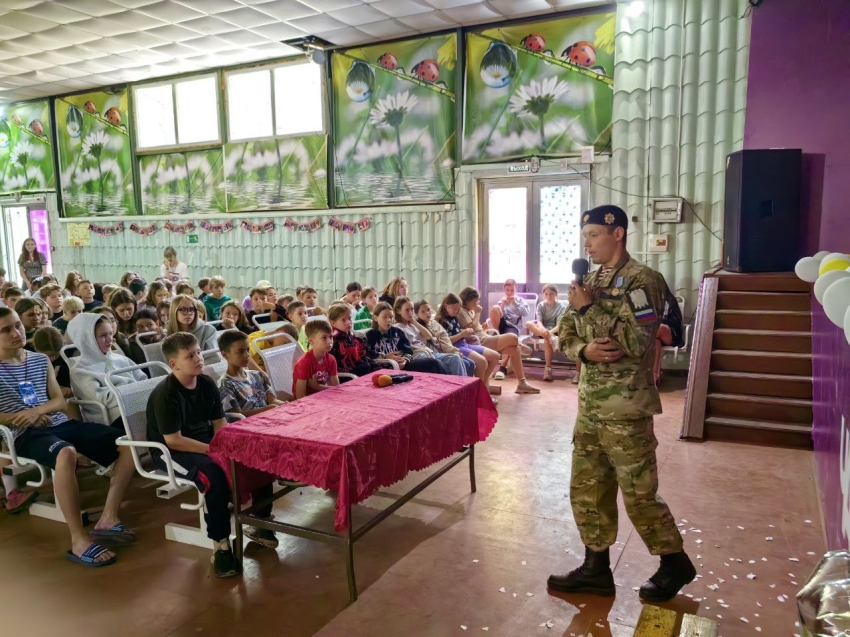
(259, 326)
(669, 349)
(67, 357)
(132, 403)
(153, 354)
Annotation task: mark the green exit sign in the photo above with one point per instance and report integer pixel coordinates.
(191, 238)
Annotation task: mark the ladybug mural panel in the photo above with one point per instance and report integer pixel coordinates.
(536, 43)
(113, 115)
(427, 70)
(37, 127)
(91, 109)
(582, 53)
(390, 61)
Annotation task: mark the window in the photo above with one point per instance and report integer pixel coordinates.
(178, 113)
(275, 101)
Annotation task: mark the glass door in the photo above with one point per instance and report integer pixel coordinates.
(530, 232)
(17, 223)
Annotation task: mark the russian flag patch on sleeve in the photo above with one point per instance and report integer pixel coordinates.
(641, 306)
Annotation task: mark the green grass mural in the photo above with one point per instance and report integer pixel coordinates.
(95, 165)
(543, 88)
(183, 182)
(26, 153)
(394, 115)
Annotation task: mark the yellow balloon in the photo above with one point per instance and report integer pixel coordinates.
(834, 264)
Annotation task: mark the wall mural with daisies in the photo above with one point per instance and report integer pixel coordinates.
(26, 153)
(394, 115)
(95, 166)
(543, 88)
(182, 182)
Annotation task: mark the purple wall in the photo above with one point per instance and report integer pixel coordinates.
(798, 96)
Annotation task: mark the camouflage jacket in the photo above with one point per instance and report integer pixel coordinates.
(627, 305)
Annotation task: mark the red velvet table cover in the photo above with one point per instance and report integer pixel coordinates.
(356, 437)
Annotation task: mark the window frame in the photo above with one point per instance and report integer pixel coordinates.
(271, 67)
(173, 82)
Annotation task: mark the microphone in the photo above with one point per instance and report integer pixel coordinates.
(580, 268)
(385, 380)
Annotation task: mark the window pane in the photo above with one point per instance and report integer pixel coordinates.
(298, 99)
(560, 232)
(507, 209)
(249, 105)
(155, 116)
(197, 111)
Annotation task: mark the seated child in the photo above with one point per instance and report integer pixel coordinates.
(157, 292)
(42, 431)
(316, 369)
(204, 287)
(121, 341)
(70, 308)
(363, 319)
(11, 296)
(93, 335)
(247, 306)
(421, 340)
(388, 342)
(183, 413)
(348, 350)
(298, 317)
(232, 317)
(549, 313)
(243, 391)
(353, 291)
(145, 322)
(52, 295)
(31, 315)
(216, 298)
(474, 363)
(184, 287)
(124, 305)
(258, 305)
(139, 289)
(163, 309)
(506, 318)
(85, 290)
(309, 297)
(107, 291)
(280, 313)
(48, 341)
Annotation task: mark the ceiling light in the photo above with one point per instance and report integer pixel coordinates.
(634, 9)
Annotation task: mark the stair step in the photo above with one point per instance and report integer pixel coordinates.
(759, 432)
(760, 384)
(763, 320)
(780, 282)
(763, 301)
(771, 408)
(785, 363)
(763, 340)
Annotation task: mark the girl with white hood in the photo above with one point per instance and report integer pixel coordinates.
(93, 335)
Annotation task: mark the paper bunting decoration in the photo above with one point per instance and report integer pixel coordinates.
(258, 228)
(309, 226)
(217, 228)
(335, 223)
(364, 224)
(107, 231)
(349, 227)
(180, 228)
(143, 230)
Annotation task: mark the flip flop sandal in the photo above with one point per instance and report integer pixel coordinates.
(118, 533)
(90, 555)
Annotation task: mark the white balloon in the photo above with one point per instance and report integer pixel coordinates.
(827, 279)
(807, 269)
(833, 255)
(836, 300)
(820, 255)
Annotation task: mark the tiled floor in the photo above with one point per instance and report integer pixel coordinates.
(417, 572)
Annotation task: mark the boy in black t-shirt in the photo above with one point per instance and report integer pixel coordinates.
(184, 412)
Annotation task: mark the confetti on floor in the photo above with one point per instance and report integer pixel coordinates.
(793, 559)
(475, 561)
(502, 590)
(523, 562)
(462, 627)
(745, 620)
(751, 576)
(769, 538)
(529, 594)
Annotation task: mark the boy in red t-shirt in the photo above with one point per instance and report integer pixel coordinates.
(317, 369)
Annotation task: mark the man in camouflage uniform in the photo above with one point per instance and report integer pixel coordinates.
(610, 327)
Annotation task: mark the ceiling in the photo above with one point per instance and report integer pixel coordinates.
(51, 48)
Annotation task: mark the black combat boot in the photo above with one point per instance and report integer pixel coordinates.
(594, 577)
(675, 572)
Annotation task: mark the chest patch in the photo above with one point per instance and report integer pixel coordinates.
(642, 308)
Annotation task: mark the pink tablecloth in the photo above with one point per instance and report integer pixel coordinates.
(356, 437)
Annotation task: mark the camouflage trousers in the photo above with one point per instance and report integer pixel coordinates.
(612, 453)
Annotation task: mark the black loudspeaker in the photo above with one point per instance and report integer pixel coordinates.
(762, 211)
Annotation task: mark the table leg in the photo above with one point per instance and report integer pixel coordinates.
(237, 523)
(472, 467)
(349, 559)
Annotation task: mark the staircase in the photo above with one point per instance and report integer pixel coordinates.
(753, 371)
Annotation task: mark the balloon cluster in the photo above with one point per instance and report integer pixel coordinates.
(830, 272)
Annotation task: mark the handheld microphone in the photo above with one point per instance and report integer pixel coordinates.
(385, 380)
(580, 268)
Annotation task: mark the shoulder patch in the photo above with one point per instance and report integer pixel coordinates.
(641, 305)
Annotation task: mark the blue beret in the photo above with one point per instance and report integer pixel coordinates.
(605, 216)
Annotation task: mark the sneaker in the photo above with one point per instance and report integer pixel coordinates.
(500, 375)
(675, 572)
(18, 501)
(224, 563)
(593, 577)
(547, 374)
(524, 388)
(574, 380)
(264, 537)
